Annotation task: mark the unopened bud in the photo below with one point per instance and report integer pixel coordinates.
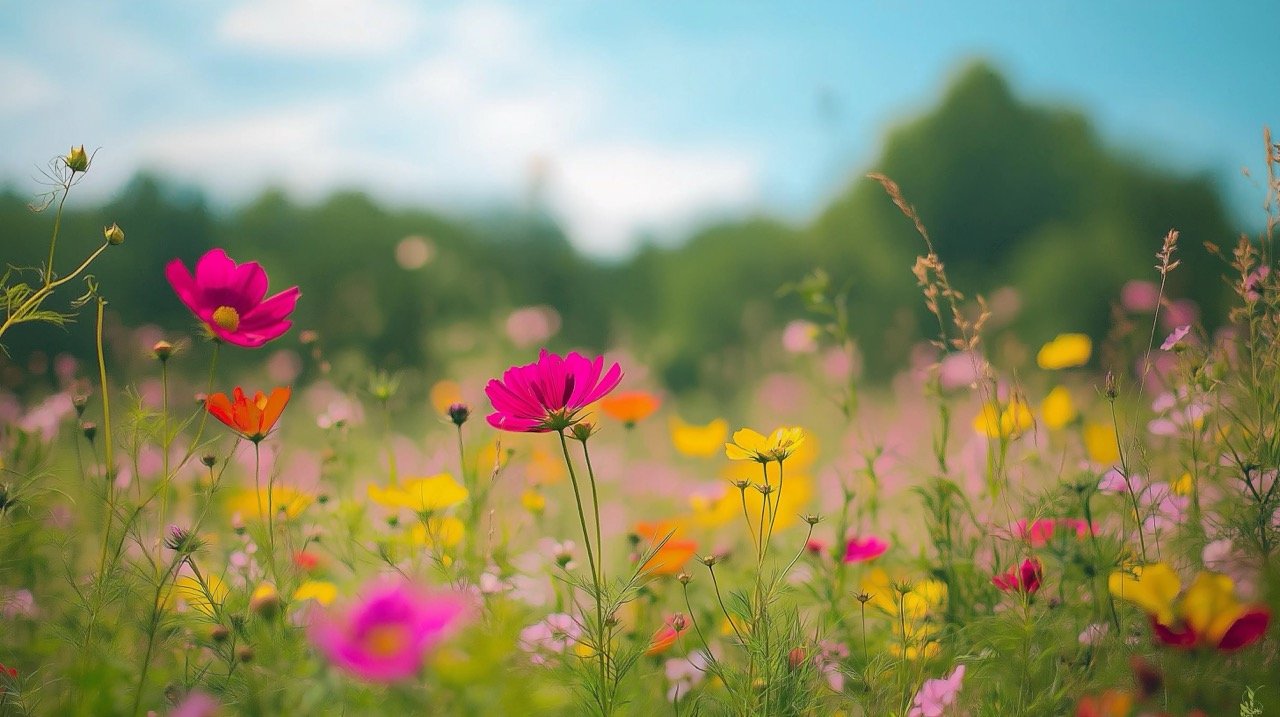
(79, 402)
(679, 622)
(219, 633)
(162, 350)
(796, 657)
(684, 578)
(582, 431)
(1109, 386)
(77, 159)
(709, 560)
(812, 519)
(244, 653)
(89, 429)
(113, 234)
(209, 460)
(459, 413)
(265, 600)
(741, 484)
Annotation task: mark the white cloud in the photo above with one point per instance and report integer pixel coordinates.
(320, 27)
(24, 87)
(609, 192)
(490, 106)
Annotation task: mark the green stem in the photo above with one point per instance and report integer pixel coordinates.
(595, 578)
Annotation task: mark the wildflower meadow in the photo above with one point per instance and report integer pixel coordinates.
(1090, 526)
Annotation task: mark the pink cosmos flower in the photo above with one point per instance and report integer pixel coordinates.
(387, 633)
(547, 395)
(1173, 338)
(935, 696)
(1023, 579)
(229, 299)
(860, 550)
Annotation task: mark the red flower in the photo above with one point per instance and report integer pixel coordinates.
(1024, 579)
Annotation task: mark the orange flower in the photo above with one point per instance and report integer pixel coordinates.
(630, 407)
(251, 418)
(671, 557)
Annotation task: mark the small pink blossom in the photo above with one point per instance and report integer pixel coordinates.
(231, 299)
(1172, 339)
(935, 696)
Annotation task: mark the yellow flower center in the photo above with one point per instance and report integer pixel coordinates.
(227, 318)
(385, 640)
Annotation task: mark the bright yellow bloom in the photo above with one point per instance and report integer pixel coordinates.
(1100, 443)
(699, 441)
(1151, 587)
(438, 532)
(1008, 421)
(923, 596)
(190, 591)
(1058, 409)
(286, 501)
(1210, 607)
(533, 501)
(444, 394)
(749, 445)
(420, 495)
(322, 591)
(1182, 486)
(1065, 351)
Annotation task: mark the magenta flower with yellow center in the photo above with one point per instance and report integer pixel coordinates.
(550, 393)
(385, 635)
(231, 299)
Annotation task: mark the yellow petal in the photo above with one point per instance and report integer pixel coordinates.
(433, 493)
(322, 591)
(1210, 606)
(699, 441)
(1058, 409)
(1065, 351)
(1100, 443)
(1151, 587)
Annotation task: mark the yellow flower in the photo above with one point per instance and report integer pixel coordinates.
(1008, 421)
(749, 445)
(438, 532)
(1182, 486)
(698, 441)
(421, 495)
(287, 502)
(444, 394)
(189, 590)
(1058, 409)
(914, 604)
(1151, 587)
(533, 501)
(1065, 351)
(322, 591)
(1100, 443)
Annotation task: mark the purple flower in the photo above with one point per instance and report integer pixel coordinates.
(385, 635)
(860, 550)
(936, 695)
(555, 634)
(196, 704)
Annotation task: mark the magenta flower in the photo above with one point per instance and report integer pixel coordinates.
(386, 635)
(229, 299)
(1023, 579)
(860, 550)
(935, 696)
(548, 395)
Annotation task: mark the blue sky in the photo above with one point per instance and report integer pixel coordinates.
(631, 118)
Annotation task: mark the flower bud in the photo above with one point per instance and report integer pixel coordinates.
(77, 159)
(679, 622)
(219, 633)
(796, 657)
(208, 460)
(244, 653)
(90, 430)
(684, 578)
(459, 413)
(113, 234)
(582, 431)
(162, 350)
(79, 402)
(265, 600)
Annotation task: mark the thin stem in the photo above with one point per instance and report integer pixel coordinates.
(57, 226)
(595, 577)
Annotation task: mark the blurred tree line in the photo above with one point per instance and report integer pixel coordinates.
(1013, 195)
